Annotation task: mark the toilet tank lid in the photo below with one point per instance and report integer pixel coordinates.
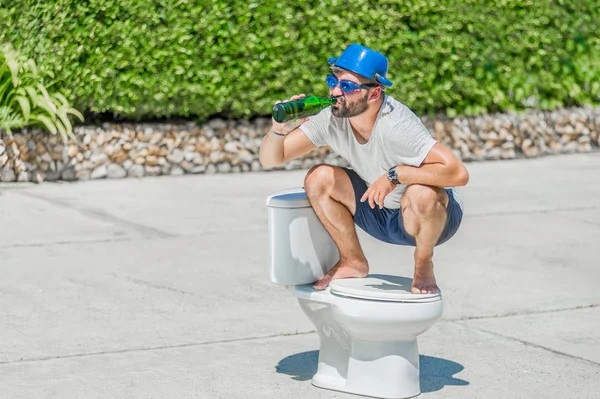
(289, 198)
(380, 287)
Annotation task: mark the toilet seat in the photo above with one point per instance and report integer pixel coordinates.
(380, 287)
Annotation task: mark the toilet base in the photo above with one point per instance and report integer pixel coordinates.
(387, 370)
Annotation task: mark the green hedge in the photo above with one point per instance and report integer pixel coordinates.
(144, 59)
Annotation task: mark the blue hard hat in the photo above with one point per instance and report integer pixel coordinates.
(363, 61)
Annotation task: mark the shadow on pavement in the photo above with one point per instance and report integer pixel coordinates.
(436, 373)
(301, 366)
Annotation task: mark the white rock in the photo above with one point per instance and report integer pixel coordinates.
(224, 167)
(198, 169)
(256, 166)
(494, 153)
(309, 163)
(570, 147)
(215, 144)
(209, 133)
(37, 177)
(190, 156)
(177, 171)
(231, 146)
(98, 157)
(116, 171)
(136, 171)
(99, 172)
(165, 170)
(215, 156)
(176, 156)
(246, 156)
(7, 174)
(187, 166)
(294, 164)
(152, 170)
(210, 169)
(217, 124)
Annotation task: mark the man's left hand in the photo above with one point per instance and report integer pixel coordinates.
(377, 192)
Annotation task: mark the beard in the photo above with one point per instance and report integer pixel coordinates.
(348, 110)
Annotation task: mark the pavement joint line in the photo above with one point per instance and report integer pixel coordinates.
(128, 238)
(524, 313)
(149, 284)
(531, 344)
(156, 348)
(532, 211)
(66, 242)
(99, 215)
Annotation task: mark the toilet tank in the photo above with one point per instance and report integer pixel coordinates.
(301, 251)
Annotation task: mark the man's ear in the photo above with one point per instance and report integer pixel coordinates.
(376, 93)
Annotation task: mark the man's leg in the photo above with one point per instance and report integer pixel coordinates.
(331, 195)
(424, 217)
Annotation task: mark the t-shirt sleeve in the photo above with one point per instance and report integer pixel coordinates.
(316, 127)
(409, 142)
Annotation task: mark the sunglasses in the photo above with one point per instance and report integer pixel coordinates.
(346, 85)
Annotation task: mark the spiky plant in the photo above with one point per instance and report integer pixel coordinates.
(26, 98)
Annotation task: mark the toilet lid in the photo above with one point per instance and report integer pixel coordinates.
(380, 287)
(289, 198)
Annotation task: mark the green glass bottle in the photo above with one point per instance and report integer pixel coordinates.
(301, 108)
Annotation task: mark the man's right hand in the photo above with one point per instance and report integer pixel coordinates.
(285, 128)
(276, 150)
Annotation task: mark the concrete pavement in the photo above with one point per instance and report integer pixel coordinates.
(158, 288)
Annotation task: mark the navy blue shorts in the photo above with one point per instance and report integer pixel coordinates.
(386, 224)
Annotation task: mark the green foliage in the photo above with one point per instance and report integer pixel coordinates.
(185, 58)
(25, 99)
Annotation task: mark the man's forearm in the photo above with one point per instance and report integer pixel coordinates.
(435, 174)
(271, 150)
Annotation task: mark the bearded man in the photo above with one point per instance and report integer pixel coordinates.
(399, 186)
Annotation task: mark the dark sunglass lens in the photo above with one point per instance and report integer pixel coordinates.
(346, 86)
(331, 81)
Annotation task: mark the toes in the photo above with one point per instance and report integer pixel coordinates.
(430, 290)
(321, 284)
(415, 290)
(424, 290)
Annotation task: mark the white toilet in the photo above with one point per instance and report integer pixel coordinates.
(368, 327)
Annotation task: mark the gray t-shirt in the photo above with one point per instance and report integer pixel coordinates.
(398, 138)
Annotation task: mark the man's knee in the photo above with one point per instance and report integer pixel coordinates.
(424, 200)
(319, 180)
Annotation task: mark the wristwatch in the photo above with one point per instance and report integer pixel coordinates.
(392, 175)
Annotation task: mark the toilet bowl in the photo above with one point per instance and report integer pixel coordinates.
(368, 327)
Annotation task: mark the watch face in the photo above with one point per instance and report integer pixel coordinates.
(393, 175)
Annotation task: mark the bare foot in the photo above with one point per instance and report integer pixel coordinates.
(424, 279)
(346, 269)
